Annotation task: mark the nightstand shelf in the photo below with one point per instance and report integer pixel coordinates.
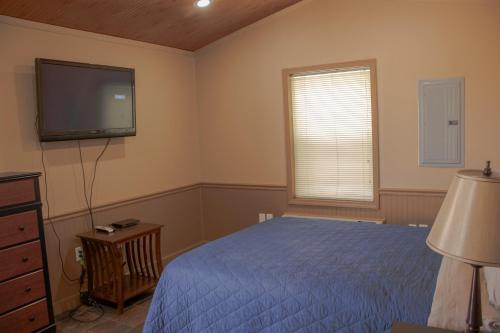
(133, 285)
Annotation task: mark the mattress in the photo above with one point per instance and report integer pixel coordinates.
(299, 275)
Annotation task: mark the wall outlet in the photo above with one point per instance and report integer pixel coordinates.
(263, 217)
(78, 253)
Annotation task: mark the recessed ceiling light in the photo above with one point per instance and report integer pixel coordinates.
(203, 3)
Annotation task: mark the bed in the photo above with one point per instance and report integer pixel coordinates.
(299, 275)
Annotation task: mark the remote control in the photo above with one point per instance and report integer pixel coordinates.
(106, 229)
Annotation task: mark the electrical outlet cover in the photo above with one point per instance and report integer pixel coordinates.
(78, 253)
(269, 216)
(262, 217)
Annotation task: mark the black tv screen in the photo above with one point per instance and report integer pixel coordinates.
(84, 101)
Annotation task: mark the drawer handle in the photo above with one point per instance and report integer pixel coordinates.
(25, 259)
(32, 318)
(21, 227)
(28, 289)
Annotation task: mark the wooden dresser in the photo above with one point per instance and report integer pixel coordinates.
(25, 299)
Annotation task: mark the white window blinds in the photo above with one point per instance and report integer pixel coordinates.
(332, 134)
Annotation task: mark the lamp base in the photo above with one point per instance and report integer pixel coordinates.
(474, 316)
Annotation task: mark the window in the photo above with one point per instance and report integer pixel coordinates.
(332, 135)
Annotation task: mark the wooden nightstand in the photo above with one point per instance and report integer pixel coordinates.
(410, 328)
(122, 264)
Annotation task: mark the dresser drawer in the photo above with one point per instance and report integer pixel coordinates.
(17, 192)
(18, 228)
(20, 259)
(26, 319)
(21, 291)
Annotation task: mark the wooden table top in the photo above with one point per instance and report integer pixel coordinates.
(121, 235)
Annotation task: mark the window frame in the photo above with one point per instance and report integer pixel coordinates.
(289, 140)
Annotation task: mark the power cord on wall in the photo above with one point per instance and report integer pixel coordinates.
(88, 199)
(86, 298)
(46, 190)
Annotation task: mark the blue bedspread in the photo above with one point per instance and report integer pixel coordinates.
(298, 275)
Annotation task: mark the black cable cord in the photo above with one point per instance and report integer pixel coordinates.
(89, 301)
(88, 199)
(46, 190)
(92, 302)
(95, 305)
(95, 172)
(85, 186)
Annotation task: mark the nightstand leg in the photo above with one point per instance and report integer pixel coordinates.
(89, 266)
(159, 264)
(118, 271)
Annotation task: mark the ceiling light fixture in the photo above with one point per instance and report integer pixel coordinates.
(203, 3)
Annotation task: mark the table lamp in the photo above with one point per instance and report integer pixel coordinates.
(467, 228)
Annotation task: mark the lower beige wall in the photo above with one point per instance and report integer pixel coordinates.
(228, 208)
(179, 211)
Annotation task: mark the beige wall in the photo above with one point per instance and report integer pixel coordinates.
(228, 208)
(164, 154)
(240, 90)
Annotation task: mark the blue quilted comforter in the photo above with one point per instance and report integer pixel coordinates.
(298, 275)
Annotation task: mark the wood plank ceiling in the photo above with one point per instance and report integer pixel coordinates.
(174, 23)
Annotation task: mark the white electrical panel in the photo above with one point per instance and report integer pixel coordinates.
(441, 123)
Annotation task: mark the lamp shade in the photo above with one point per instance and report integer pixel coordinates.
(467, 226)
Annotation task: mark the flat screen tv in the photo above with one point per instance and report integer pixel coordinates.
(84, 101)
